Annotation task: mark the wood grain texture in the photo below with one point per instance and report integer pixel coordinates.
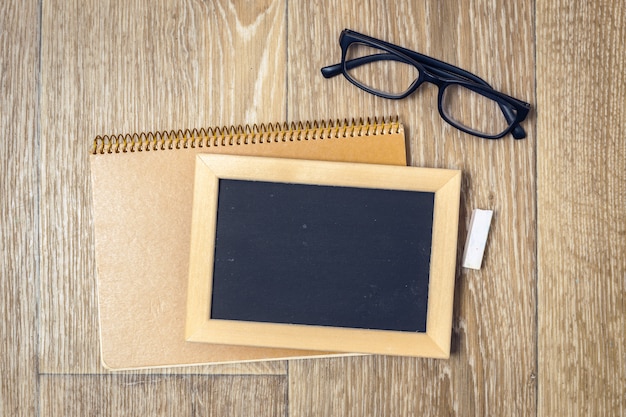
(123, 67)
(115, 67)
(581, 86)
(19, 195)
(153, 395)
(492, 370)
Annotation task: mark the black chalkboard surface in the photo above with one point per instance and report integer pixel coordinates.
(322, 255)
(326, 256)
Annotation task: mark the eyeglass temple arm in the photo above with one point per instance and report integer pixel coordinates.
(518, 131)
(331, 71)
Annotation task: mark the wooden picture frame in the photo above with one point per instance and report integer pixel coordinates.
(433, 342)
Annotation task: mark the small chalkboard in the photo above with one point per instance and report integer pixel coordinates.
(323, 255)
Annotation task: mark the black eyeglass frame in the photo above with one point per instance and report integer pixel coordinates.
(433, 71)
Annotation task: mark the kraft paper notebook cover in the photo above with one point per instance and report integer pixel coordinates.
(142, 202)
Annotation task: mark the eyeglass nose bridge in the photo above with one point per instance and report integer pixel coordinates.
(427, 77)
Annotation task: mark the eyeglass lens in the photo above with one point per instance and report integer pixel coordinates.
(382, 73)
(463, 107)
(473, 111)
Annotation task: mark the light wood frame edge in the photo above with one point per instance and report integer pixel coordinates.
(444, 183)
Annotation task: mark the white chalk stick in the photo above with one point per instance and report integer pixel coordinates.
(477, 238)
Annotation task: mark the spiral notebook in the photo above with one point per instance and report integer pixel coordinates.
(142, 188)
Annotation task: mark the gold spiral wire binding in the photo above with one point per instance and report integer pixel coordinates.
(178, 142)
(119, 143)
(324, 128)
(317, 128)
(111, 142)
(254, 134)
(234, 137)
(134, 143)
(203, 135)
(245, 134)
(223, 136)
(187, 142)
(197, 137)
(262, 133)
(210, 134)
(286, 133)
(367, 126)
(187, 138)
(227, 137)
(336, 128)
(223, 141)
(122, 143)
(275, 130)
(227, 140)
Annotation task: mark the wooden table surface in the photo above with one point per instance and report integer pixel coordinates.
(539, 330)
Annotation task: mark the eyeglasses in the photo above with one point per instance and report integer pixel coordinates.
(465, 101)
